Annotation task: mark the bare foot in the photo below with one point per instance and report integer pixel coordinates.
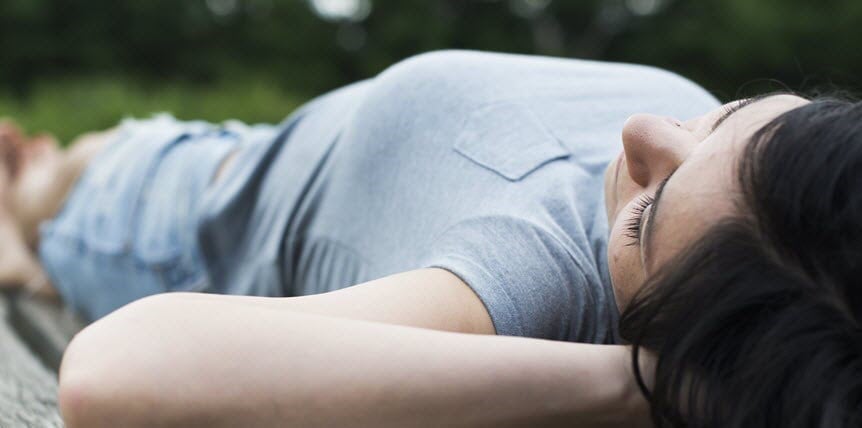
(11, 139)
(19, 268)
(13, 258)
(23, 272)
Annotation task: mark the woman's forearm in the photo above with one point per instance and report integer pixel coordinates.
(173, 361)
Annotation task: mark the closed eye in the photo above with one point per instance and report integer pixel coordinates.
(634, 224)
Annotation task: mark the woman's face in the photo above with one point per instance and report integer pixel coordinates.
(674, 180)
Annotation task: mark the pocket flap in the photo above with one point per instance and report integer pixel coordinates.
(509, 140)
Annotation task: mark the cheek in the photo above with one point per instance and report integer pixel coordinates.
(624, 263)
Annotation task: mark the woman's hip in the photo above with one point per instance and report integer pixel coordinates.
(129, 227)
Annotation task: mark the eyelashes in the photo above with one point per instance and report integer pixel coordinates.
(633, 225)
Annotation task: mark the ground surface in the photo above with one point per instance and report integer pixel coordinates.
(33, 335)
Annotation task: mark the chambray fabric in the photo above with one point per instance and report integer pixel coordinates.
(128, 228)
(487, 165)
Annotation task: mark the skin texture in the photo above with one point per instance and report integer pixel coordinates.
(700, 192)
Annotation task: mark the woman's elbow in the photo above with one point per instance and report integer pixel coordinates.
(102, 377)
(84, 402)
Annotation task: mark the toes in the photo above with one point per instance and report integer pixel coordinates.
(10, 132)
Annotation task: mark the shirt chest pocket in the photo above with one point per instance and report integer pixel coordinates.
(509, 140)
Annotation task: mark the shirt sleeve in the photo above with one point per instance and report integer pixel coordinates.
(528, 281)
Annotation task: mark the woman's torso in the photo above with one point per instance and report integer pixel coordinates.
(446, 160)
(488, 165)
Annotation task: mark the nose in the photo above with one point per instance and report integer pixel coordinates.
(654, 147)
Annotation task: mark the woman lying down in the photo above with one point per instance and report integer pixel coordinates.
(535, 242)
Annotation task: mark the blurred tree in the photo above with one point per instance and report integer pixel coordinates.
(721, 43)
(726, 45)
(304, 47)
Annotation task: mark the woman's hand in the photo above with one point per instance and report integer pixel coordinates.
(647, 362)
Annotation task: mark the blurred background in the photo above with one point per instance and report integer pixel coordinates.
(68, 66)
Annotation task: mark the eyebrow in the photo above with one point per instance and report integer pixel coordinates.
(648, 231)
(730, 110)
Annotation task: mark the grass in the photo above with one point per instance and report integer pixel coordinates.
(71, 106)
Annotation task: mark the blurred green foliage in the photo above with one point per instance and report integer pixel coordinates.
(69, 107)
(71, 65)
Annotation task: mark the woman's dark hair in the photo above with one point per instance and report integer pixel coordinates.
(759, 324)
